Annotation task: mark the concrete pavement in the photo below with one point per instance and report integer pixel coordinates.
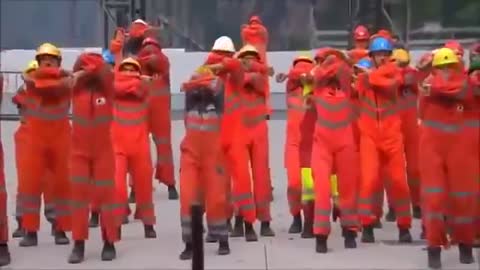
(282, 252)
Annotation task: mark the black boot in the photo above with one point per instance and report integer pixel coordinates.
(266, 230)
(93, 220)
(187, 253)
(5, 258)
(308, 212)
(211, 238)
(349, 237)
(172, 193)
(378, 224)
(223, 247)
(149, 231)
(466, 254)
(417, 212)
(19, 232)
(61, 238)
(321, 244)
(78, 252)
(30, 239)
(404, 236)
(367, 235)
(296, 226)
(391, 216)
(131, 197)
(238, 229)
(108, 251)
(434, 257)
(250, 234)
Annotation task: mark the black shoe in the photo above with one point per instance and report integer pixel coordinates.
(378, 224)
(223, 247)
(131, 197)
(434, 257)
(238, 228)
(250, 234)
(93, 220)
(61, 238)
(30, 239)
(108, 251)
(5, 258)
(321, 243)
(78, 252)
(349, 238)
(229, 226)
(187, 253)
(404, 236)
(19, 232)
(367, 235)
(466, 254)
(307, 231)
(149, 231)
(172, 193)
(49, 215)
(296, 226)
(417, 212)
(211, 238)
(391, 216)
(266, 230)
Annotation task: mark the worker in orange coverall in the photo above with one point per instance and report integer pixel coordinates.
(155, 64)
(361, 38)
(202, 174)
(20, 149)
(4, 251)
(448, 170)
(301, 118)
(130, 136)
(381, 142)
(49, 139)
(408, 92)
(334, 143)
(92, 159)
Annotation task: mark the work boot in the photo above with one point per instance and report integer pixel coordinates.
(417, 212)
(391, 216)
(434, 257)
(404, 236)
(49, 214)
(210, 238)
(131, 197)
(5, 258)
(149, 231)
(238, 229)
(466, 254)
(78, 252)
(93, 220)
(61, 238)
(367, 235)
(349, 237)
(308, 210)
(108, 251)
(250, 234)
(321, 243)
(172, 193)
(378, 224)
(223, 247)
(19, 232)
(296, 226)
(30, 239)
(229, 226)
(266, 230)
(187, 253)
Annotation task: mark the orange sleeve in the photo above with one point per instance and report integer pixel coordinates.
(326, 72)
(456, 86)
(386, 78)
(255, 81)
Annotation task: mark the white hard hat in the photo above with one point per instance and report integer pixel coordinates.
(140, 21)
(224, 44)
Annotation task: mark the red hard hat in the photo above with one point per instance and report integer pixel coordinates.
(150, 41)
(361, 33)
(255, 18)
(455, 46)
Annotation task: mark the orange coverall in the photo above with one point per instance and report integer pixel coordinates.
(334, 143)
(3, 190)
(92, 158)
(131, 145)
(381, 143)
(301, 118)
(449, 157)
(202, 174)
(48, 139)
(154, 63)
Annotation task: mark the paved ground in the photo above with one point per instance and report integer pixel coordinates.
(282, 252)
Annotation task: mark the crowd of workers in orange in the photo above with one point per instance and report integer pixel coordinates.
(366, 116)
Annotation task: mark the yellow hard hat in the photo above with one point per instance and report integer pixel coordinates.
(304, 58)
(248, 49)
(32, 65)
(48, 49)
(130, 61)
(401, 55)
(444, 56)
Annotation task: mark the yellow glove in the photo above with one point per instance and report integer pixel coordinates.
(334, 185)
(308, 193)
(307, 89)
